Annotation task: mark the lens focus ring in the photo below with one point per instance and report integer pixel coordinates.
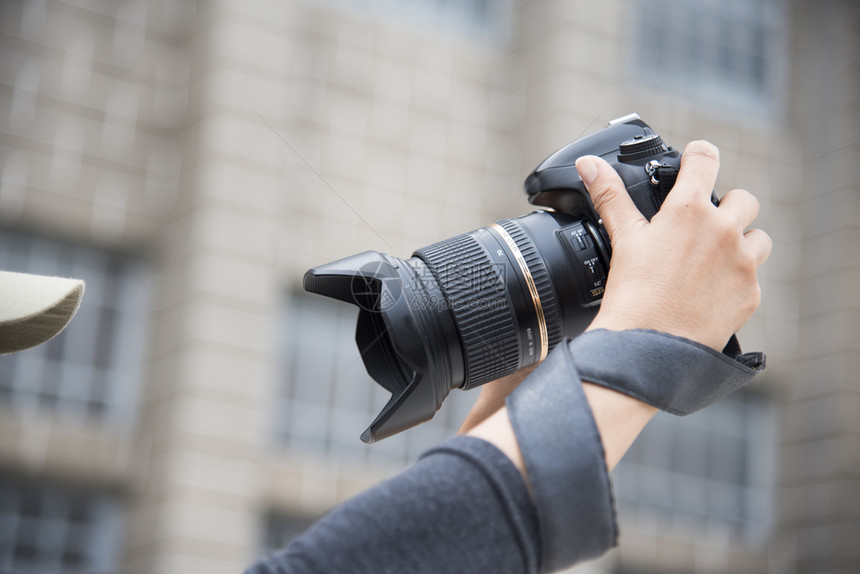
(540, 276)
(477, 298)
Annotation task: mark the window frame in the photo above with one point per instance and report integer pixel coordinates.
(745, 416)
(58, 521)
(699, 81)
(117, 289)
(303, 427)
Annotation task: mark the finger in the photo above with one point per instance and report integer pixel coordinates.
(761, 244)
(743, 205)
(698, 174)
(609, 195)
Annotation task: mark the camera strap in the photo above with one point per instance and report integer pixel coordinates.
(672, 373)
(558, 436)
(665, 176)
(565, 461)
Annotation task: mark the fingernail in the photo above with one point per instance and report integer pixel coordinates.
(587, 169)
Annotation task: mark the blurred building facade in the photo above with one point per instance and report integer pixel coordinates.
(191, 159)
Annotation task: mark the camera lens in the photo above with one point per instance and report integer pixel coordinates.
(505, 310)
(467, 310)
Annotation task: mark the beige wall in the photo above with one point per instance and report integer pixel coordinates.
(236, 144)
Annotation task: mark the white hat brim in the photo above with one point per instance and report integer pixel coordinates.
(35, 308)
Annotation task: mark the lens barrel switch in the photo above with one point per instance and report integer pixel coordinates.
(579, 243)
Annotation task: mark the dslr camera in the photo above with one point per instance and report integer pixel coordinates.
(470, 309)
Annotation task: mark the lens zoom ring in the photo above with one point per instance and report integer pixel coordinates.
(477, 298)
(540, 275)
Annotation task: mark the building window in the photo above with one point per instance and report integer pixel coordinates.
(487, 18)
(91, 368)
(327, 398)
(704, 472)
(52, 529)
(724, 53)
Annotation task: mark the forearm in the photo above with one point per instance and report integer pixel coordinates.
(619, 421)
(492, 398)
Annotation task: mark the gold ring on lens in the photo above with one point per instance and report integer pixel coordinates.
(512, 246)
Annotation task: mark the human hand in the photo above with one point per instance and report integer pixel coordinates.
(691, 271)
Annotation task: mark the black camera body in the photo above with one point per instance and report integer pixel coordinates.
(629, 145)
(470, 309)
(639, 156)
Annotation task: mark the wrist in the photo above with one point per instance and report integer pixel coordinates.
(673, 373)
(619, 418)
(635, 321)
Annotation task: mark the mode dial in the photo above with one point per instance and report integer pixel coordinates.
(640, 147)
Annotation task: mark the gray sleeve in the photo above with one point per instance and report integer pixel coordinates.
(463, 507)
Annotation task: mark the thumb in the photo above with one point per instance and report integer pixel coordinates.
(609, 195)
